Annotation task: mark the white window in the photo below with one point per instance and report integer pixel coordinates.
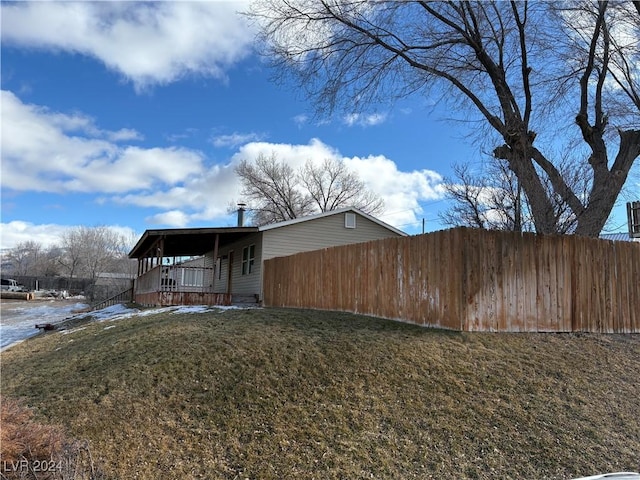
(349, 220)
(248, 257)
(192, 277)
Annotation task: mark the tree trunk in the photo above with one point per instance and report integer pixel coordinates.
(607, 185)
(540, 204)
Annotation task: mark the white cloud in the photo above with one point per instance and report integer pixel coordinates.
(294, 155)
(363, 120)
(235, 139)
(47, 235)
(17, 232)
(300, 119)
(148, 42)
(201, 198)
(79, 157)
(48, 151)
(402, 191)
(186, 133)
(124, 134)
(207, 197)
(173, 218)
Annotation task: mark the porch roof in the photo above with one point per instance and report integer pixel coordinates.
(187, 241)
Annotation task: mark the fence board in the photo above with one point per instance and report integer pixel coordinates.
(467, 279)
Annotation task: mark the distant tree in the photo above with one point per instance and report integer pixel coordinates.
(534, 73)
(31, 258)
(71, 244)
(26, 258)
(50, 265)
(102, 246)
(332, 185)
(123, 264)
(82, 252)
(91, 251)
(492, 198)
(272, 189)
(276, 192)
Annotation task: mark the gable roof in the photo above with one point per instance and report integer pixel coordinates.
(329, 213)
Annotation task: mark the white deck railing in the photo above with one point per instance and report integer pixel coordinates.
(176, 278)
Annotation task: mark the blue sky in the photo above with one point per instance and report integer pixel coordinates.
(134, 115)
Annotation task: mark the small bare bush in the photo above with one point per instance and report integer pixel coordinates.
(33, 450)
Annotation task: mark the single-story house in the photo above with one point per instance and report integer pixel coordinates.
(224, 265)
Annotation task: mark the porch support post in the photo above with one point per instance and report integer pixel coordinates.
(159, 257)
(215, 260)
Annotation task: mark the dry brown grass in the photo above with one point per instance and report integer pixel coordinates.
(288, 393)
(22, 437)
(30, 449)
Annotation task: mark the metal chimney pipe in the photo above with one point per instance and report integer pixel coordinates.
(241, 211)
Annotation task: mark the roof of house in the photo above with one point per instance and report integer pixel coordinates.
(198, 241)
(620, 237)
(179, 242)
(329, 213)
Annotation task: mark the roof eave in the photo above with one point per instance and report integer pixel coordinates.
(293, 221)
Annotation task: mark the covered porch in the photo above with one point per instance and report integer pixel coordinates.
(174, 270)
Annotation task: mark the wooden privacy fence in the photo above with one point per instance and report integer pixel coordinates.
(471, 280)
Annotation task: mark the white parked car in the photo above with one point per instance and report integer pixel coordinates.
(10, 285)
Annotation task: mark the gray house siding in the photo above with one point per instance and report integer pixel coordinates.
(288, 239)
(329, 231)
(324, 232)
(248, 284)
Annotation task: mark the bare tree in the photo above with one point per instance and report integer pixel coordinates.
(491, 200)
(101, 247)
(31, 258)
(25, 258)
(523, 68)
(71, 243)
(332, 185)
(277, 192)
(122, 263)
(51, 262)
(272, 189)
(91, 251)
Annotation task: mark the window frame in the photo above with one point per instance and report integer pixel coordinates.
(349, 220)
(192, 277)
(248, 259)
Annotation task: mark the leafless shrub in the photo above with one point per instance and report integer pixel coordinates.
(37, 451)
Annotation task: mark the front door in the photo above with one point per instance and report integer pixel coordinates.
(230, 272)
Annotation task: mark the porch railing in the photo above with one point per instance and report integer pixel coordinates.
(176, 278)
(122, 297)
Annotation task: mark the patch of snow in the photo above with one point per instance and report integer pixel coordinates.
(18, 322)
(19, 318)
(196, 309)
(114, 312)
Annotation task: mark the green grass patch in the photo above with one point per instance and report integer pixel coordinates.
(275, 393)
